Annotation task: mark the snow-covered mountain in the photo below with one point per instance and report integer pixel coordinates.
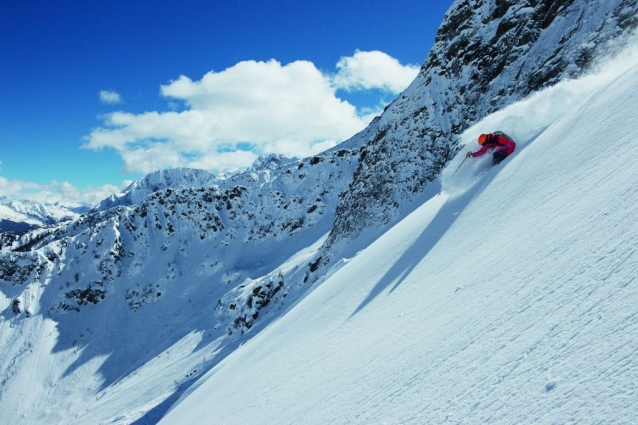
(280, 275)
(138, 191)
(19, 217)
(121, 286)
(36, 213)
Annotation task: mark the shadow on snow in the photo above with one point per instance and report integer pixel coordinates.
(428, 239)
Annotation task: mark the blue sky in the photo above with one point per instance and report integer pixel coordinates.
(98, 93)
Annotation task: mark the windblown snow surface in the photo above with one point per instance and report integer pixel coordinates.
(508, 297)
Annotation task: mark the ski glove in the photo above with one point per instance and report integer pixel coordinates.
(469, 154)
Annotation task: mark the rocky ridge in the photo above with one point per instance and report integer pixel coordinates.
(227, 227)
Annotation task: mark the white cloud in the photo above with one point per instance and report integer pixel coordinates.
(250, 109)
(220, 160)
(110, 97)
(55, 191)
(373, 70)
(9, 188)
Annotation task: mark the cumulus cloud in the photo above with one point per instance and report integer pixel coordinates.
(373, 70)
(250, 109)
(9, 188)
(110, 97)
(55, 191)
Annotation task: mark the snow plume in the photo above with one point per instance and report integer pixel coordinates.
(525, 120)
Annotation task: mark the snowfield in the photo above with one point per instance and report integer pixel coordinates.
(509, 297)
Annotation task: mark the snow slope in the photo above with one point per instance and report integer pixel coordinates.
(109, 318)
(510, 300)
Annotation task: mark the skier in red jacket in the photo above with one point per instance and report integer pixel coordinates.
(499, 142)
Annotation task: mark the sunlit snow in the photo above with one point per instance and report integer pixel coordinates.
(511, 302)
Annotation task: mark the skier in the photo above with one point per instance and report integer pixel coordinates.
(501, 143)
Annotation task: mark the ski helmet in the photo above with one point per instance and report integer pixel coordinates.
(482, 139)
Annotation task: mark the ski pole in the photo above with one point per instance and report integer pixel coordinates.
(462, 162)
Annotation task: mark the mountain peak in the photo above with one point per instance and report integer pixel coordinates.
(175, 178)
(270, 162)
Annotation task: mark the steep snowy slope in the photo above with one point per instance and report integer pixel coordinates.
(512, 301)
(488, 54)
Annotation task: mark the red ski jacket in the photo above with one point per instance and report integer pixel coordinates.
(503, 144)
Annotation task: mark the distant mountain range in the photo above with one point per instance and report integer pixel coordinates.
(20, 216)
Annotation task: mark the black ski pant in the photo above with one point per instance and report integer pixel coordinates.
(497, 157)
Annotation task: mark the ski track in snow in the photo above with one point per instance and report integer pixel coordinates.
(512, 301)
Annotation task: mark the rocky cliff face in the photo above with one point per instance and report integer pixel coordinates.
(488, 54)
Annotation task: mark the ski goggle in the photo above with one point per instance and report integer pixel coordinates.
(482, 139)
